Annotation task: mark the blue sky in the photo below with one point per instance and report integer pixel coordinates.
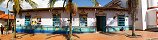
(4, 9)
(89, 3)
(43, 4)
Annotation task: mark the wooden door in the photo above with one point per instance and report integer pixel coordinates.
(101, 23)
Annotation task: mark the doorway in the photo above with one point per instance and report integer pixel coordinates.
(101, 23)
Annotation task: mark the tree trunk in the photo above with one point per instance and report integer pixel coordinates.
(14, 34)
(14, 24)
(8, 23)
(132, 4)
(133, 27)
(70, 28)
(8, 18)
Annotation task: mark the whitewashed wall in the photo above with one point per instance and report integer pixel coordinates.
(64, 17)
(151, 18)
(141, 15)
(21, 20)
(152, 3)
(75, 20)
(111, 14)
(109, 18)
(45, 20)
(91, 19)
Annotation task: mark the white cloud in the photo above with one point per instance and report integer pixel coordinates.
(41, 4)
(4, 4)
(59, 4)
(25, 5)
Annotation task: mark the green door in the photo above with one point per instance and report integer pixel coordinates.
(101, 23)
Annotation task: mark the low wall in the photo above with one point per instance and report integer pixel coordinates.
(53, 30)
(64, 29)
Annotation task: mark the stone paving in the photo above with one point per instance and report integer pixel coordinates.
(145, 35)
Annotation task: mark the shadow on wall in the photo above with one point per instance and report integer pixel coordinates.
(110, 24)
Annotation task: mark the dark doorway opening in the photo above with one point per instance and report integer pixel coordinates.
(101, 23)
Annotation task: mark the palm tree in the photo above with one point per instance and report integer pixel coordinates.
(95, 2)
(1, 1)
(72, 9)
(132, 6)
(17, 8)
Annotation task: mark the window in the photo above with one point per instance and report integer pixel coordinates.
(39, 21)
(36, 20)
(83, 19)
(56, 20)
(121, 20)
(27, 20)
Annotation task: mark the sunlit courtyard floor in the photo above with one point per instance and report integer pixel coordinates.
(145, 35)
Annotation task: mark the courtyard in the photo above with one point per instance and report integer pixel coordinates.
(145, 35)
(85, 20)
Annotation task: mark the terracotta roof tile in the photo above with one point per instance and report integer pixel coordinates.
(5, 16)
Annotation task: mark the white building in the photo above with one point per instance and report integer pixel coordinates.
(87, 19)
(147, 14)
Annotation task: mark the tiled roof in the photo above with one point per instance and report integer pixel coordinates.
(114, 4)
(1, 12)
(61, 8)
(5, 16)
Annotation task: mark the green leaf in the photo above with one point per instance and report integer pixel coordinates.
(73, 6)
(16, 5)
(1, 1)
(95, 2)
(64, 3)
(8, 3)
(32, 3)
(51, 3)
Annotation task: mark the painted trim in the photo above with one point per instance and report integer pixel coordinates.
(157, 18)
(152, 7)
(54, 30)
(151, 26)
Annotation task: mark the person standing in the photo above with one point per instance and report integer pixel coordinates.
(12, 26)
(2, 28)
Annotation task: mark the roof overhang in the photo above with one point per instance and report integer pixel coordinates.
(153, 7)
(79, 8)
(5, 16)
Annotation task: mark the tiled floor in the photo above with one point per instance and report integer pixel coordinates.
(145, 35)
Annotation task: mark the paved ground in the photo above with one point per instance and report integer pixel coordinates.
(145, 35)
